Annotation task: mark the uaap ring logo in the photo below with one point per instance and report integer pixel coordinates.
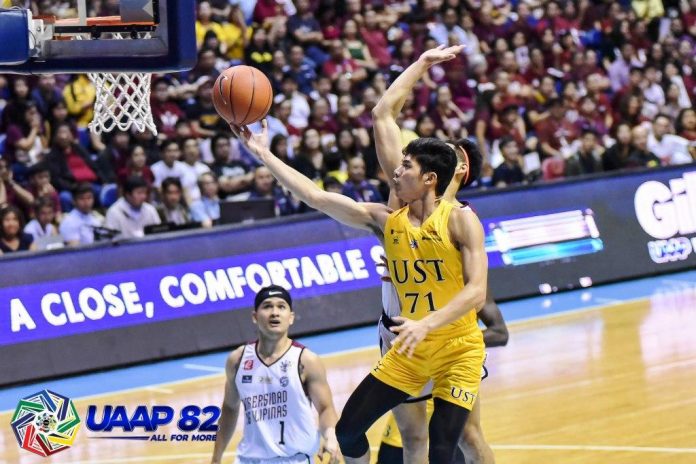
(45, 423)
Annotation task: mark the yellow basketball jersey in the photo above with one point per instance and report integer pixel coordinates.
(426, 267)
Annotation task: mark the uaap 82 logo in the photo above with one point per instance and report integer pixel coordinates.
(199, 424)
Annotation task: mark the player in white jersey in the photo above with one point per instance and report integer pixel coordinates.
(277, 380)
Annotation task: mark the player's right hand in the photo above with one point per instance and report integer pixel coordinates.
(330, 446)
(438, 55)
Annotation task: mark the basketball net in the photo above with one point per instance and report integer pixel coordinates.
(122, 100)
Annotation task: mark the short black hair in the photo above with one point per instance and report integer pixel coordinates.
(329, 181)
(662, 115)
(216, 138)
(167, 142)
(434, 155)
(82, 188)
(506, 140)
(556, 101)
(132, 183)
(43, 202)
(171, 181)
(475, 158)
(41, 166)
(585, 130)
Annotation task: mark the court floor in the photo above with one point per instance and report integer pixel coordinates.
(603, 375)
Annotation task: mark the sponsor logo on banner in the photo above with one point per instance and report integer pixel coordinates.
(45, 423)
(668, 214)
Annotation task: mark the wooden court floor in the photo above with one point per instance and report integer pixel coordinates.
(612, 385)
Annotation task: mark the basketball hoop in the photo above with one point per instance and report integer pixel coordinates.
(122, 99)
(118, 53)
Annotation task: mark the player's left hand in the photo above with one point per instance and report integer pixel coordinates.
(330, 446)
(411, 333)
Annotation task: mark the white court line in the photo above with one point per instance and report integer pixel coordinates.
(160, 390)
(544, 391)
(610, 301)
(203, 367)
(683, 283)
(168, 457)
(661, 367)
(634, 449)
(618, 449)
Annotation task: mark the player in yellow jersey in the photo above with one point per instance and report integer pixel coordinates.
(391, 446)
(427, 243)
(411, 416)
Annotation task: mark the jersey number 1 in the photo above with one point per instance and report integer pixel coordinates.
(282, 433)
(415, 297)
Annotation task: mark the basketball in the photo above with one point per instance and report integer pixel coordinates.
(242, 95)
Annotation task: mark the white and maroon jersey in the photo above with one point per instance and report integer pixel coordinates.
(278, 417)
(391, 307)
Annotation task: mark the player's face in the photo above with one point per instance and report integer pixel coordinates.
(273, 317)
(409, 183)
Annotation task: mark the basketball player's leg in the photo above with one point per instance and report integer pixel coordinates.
(372, 399)
(445, 430)
(473, 443)
(457, 368)
(411, 418)
(394, 378)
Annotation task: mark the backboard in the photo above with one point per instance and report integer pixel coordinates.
(147, 36)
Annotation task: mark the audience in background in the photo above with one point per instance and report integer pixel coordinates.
(172, 208)
(78, 226)
(206, 210)
(12, 236)
(43, 223)
(129, 216)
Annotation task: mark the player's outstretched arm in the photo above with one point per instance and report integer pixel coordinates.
(496, 331)
(230, 407)
(368, 216)
(384, 114)
(320, 394)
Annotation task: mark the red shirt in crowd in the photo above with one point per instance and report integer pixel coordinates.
(166, 115)
(79, 168)
(551, 131)
(376, 42)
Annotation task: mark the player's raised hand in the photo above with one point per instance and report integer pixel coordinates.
(440, 54)
(257, 143)
(330, 446)
(411, 333)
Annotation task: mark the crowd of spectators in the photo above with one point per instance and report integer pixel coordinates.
(548, 89)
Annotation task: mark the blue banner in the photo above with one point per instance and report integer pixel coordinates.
(120, 299)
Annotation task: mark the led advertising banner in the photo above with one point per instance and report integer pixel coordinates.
(192, 291)
(577, 234)
(155, 294)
